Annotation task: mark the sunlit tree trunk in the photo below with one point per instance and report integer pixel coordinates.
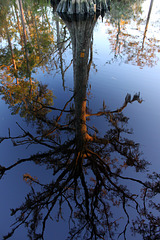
(147, 23)
(24, 36)
(12, 53)
(117, 49)
(18, 23)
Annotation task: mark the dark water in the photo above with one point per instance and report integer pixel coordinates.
(79, 122)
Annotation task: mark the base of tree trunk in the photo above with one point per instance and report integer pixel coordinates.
(81, 6)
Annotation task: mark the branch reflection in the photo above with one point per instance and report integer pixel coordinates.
(89, 169)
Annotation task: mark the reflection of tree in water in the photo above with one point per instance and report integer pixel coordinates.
(87, 178)
(30, 40)
(24, 98)
(129, 44)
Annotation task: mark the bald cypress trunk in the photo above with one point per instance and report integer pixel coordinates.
(81, 33)
(81, 6)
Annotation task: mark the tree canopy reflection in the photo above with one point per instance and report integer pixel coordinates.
(129, 43)
(30, 39)
(89, 169)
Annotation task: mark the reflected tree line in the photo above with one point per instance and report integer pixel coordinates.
(31, 39)
(31, 42)
(89, 169)
(129, 43)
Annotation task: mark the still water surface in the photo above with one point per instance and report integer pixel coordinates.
(79, 120)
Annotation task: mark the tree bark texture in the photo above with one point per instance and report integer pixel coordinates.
(81, 6)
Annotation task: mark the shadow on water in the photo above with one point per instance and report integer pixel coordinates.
(87, 177)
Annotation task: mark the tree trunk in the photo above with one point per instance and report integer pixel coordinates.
(81, 6)
(81, 34)
(25, 37)
(12, 53)
(147, 22)
(59, 45)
